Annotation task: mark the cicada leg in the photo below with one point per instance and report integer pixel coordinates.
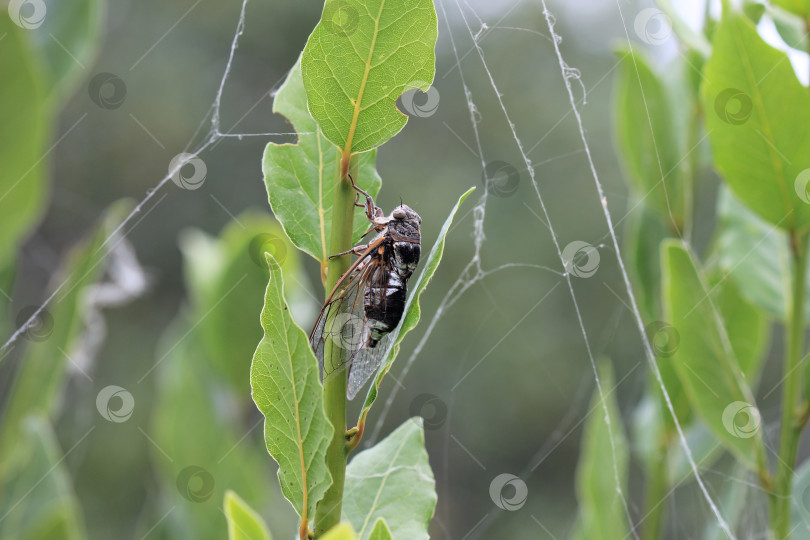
(373, 212)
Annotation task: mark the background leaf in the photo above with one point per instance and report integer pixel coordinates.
(40, 378)
(227, 275)
(243, 522)
(650, 138)
(392, 481)
(342, 531)
(285, 379)
(360, 58)
(412, 312)
(704, 359)
(380, 531)
(300, 177)
(68, 41)
(25, 117)
(601, 509)
(799, 7)
(38, 501)
(756, 116)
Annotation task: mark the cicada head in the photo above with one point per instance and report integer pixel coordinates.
(405, 223)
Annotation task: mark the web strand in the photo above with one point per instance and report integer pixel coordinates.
(625, 277)
(567, 72)
(213, 136)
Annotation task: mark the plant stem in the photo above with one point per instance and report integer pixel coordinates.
(328, 511)
(791, 426)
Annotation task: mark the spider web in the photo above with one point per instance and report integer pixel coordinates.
(473, 272)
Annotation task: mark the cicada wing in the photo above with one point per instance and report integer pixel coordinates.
(366, 363)
(342, 320)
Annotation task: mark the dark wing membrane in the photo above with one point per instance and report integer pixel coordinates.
(342, 320)
(366, 362)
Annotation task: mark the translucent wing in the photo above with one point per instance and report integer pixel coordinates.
(366, 362)
(342, 321)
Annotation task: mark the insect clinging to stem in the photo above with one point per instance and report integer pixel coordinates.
(368, 300)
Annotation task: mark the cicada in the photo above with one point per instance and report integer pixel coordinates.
(368, 301)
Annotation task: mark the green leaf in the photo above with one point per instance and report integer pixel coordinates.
(799, 7)
(243, 522)
(198, 461)
(68, 40)
(650, 136)
(705, 360)
(285, 379)
(757, 112)
(643, 235)
(412, 312)
(747, 327)
(602, 513)
(300, 177)
(790, 27)
(380, 531)
(343, 531)
(38, 501)
(25, 118)
(227, 277)
(734, 503)
(392, 481)
(755, 256)
(40, 379)
(705, 449)
(361, 57)
(695, 41)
